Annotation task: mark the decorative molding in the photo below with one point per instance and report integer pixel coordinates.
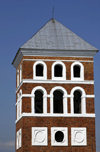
(87, 115)
(59, 60)
(19, 139)
(90, 96)
(52, 53)
(64, 130)
(39, 136)
(78, 136)
(59, 82)
(49, 96)
(54, 81)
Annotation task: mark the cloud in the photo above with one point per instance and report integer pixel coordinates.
(7, 144)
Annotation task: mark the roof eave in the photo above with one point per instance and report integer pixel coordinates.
(51, 52)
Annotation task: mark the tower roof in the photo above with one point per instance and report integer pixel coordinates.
(54, 35)
(54, 39)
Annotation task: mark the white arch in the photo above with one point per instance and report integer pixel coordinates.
(81, 71)
(65, 107)
(44, 77)
(63, 71)
(83, 100)
(44, 99)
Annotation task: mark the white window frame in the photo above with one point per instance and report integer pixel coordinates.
(65, 106)
(19, 139)
(44, 77)
(65, 132)
(63, 71)
(44, 100)
(83, 100)
(20, 73)
(81, 78)
(17, 77)
(19, 104)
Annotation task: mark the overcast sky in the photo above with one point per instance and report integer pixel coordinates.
(19, 20)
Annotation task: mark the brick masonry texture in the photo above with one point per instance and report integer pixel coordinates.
(26, 105)
(27, 67)
(27, 87)
(26, 123)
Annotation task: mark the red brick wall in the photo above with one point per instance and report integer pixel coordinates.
(27, 123)
(27, 67)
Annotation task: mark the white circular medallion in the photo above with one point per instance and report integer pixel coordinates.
(40, 136)
(79, 137)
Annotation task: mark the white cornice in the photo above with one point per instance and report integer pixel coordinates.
(51, 53)
(57, 60)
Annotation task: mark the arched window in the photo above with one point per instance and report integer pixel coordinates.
(39, 70)
(77, 71)
(77, 101)
(17, 77)
(19, 104)
(38, 101)
(57, 102)
(58, 71)
(20, 73)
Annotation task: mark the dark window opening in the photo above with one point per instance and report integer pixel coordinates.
(77, 71)
(58, 70)
(58, 102)
(59, 136)
(38, 102)
(39, 70)
(77, 102)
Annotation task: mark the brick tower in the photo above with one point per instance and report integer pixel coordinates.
(55, 92)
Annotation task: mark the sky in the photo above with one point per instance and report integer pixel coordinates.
(19, 20)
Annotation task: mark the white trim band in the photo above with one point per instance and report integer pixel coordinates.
(59, 82)
(58, 60)
(57, 115)
(50, 96)
(54, 81)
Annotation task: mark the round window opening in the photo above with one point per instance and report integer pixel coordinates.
(59, 136)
